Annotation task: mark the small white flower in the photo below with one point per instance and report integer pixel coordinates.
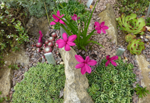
(2, 5)
(5, 62)
(17, 39)
(8, 36)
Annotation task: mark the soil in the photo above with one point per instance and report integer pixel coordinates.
(97, 52)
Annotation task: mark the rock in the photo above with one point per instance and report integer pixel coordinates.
(5, 83)
(34, 25)
(5, 74)
(76, 84)
(110, 20)
(143, 66)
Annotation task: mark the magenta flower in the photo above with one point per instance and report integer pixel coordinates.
(40, 37)
(100, 27)
(66, 42)
(84, 64)
(111, 60)
(74, 17)
(57, 19)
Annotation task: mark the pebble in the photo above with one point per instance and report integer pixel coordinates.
(83, 52)
(146, 40)
(12, 89)
(95, 52)
(43, 60)
(26, 69)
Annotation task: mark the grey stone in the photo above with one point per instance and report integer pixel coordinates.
(34, 25)
(76, 84)
(109, 18)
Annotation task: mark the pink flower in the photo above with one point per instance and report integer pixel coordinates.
(84, 64)
(40, 37)
(66, 42)
(57, 19)
(74, 17)
(100, 27)
(111, 60)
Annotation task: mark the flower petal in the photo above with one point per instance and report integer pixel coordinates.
(83, 70)
(106, 64)
(87, 59)
(96, 24)
(113, 63)
(114, 58)
(107, 57)
(98, 31)
(88, 68)
(58, 13)
(97, 28)
(103, 30)
(71, 43)
(105, 27)
(92, 62)
(72, 38)
(55, 17)
(79, 58)
(52, 23)
(61, 15)
(67, 47)
(40, 32)
(61, 21)
(64, 35)
(61, 43)
(80, 65)
(102, 24)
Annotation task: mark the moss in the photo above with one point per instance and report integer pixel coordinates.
(42, 84)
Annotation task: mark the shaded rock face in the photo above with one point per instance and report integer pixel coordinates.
(109, 17)
(5, 74)
(34, 25)
(143, 66)
(76, 84)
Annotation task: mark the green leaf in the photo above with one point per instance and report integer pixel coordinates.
(95, 42)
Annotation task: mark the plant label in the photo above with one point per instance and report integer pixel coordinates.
(50, 58)
(89, 3)
(120, 51)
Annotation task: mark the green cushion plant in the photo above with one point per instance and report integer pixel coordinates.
(42, 84)
(131, 24)
(112, 84)
(136, 46)
(129, 37)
